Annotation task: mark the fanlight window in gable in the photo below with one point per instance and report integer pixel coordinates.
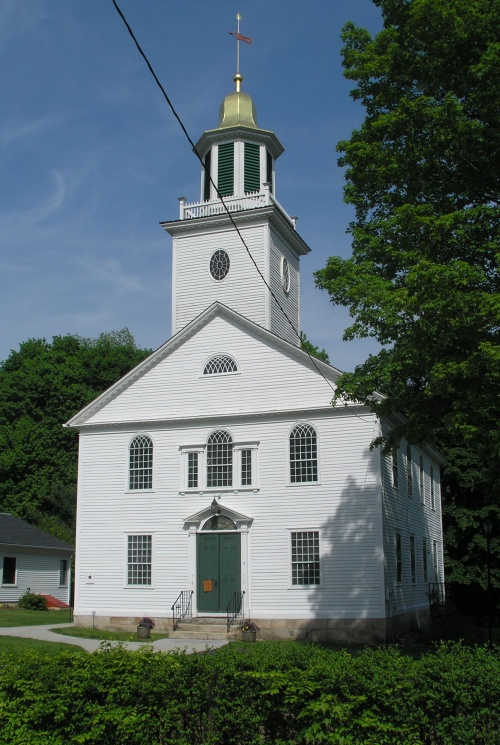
(303, 454)
(219, 459)
(220, 364)
(141, 463)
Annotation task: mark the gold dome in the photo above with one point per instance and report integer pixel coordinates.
(237, 109)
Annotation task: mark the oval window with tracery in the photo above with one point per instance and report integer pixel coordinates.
(219, 265)
(221, 363)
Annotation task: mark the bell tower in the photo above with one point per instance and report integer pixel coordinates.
(248, 260)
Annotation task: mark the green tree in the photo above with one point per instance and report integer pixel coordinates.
(312, 349)
(41, 386)
(423, 174)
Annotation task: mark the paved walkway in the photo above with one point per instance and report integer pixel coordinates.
(45, 633)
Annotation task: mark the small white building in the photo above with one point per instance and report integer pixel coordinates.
(218, 468)
(32, 561)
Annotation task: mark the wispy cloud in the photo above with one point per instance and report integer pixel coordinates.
(13, 132)
(110, 271)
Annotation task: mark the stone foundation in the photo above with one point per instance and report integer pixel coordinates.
(334, 631)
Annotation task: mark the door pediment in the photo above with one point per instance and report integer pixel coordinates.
(196, 521)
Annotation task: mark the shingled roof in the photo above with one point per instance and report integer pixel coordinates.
(17, 532)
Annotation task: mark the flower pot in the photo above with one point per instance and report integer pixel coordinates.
(248, 636)
(143, 632)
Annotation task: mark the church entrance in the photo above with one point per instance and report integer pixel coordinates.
(218, 570)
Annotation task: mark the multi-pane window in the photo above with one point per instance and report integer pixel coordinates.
(395, 474)
(303, 454)
(141, 463)
(139, 560)
(399, 559)
(246, 467)
(409, 475)
(413, 565)
(9, 570)
(63, 572)
(219, 459)
(219, 264)
(421, 483)
(221, 363)
(433, 493)
(193, 474)
(435, 565)
(424, 560)
(305, 558)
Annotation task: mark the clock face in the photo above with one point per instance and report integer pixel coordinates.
(219, 265)
(285, 274)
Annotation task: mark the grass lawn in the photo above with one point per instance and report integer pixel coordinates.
(15, 645)
(119, 636)
(19, 617)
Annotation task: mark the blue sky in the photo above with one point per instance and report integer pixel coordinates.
(91, 158)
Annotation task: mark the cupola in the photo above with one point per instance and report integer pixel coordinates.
(237, 156)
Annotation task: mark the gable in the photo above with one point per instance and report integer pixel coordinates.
(272, 376)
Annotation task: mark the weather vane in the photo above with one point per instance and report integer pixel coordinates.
(239, 37)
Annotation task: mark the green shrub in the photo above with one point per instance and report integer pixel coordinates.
(31, 601)
(281, 694)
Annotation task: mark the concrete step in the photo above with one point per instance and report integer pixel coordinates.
(212, 628)
(202, 634)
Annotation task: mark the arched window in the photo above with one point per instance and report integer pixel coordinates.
(141, 463)
(409, 474)
(219, 522)
(219, 459)
(221, 363)
(303, 454)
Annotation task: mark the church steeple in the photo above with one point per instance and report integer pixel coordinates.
(258, 276)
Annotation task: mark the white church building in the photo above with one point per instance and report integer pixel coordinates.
(217, 477)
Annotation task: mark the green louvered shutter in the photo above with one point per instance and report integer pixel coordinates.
(269, 169)
(206, 181)
(252, 168)
(226, 169)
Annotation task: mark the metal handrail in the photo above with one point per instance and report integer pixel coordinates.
(234, 608)
(182, 607)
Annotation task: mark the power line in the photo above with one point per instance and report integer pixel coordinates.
(219, 195)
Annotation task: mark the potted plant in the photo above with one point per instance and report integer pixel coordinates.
(144, 627)
(249, 631)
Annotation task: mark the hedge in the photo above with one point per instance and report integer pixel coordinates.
(255, 694)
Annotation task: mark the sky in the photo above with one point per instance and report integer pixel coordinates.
(92, 159)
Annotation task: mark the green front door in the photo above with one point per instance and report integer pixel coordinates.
(219, 570)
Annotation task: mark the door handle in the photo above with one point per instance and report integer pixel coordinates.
(215, 583)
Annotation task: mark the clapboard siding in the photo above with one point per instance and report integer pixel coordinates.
(289, 301)
(267, 379)
(408, 516)
(242, 289)
(37, 570)
(343, 507)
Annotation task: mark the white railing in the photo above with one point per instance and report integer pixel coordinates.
(191, 210)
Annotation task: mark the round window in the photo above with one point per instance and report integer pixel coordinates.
(285, 274)
(219, 265)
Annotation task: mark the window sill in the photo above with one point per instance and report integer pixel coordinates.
(303, 483)
(220, 490)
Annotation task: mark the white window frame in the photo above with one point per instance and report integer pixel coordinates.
(421, 478)
(9, 584)
(148, 488)
(425, 561)
(398, 563)
(395, 468)
(435, 561)
(237, 485)
(433, 488)
(299, 484)
(144, 586)
(63, 572)
(307, 587)
(413, 561)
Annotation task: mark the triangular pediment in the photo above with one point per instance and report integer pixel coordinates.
(169, 384)
(202, 516)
